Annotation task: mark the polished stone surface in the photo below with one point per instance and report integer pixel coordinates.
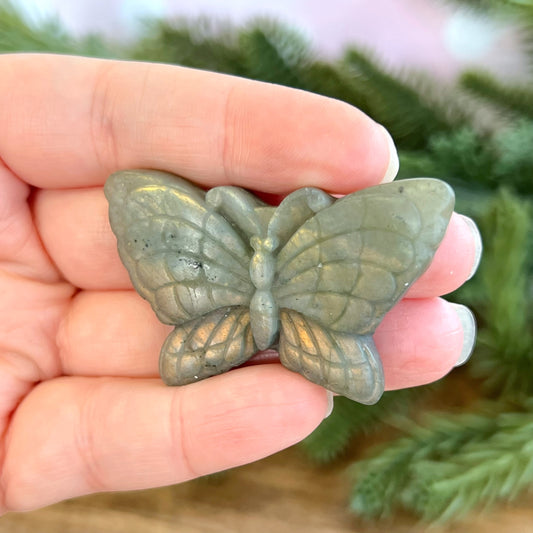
(312, 277)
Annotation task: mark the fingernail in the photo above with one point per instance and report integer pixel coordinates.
(329, 409)
(477, 243)
(394, 162)
(468, 324)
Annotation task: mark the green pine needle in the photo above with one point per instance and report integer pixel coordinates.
(505, 356)
(332, 80)
(514, 167)
(198, 43)
(412, 110)
(466, 155)
(449, 466)
(274, 53)
(517, 100)
(481, 473)
(19, 34)
(475, 160)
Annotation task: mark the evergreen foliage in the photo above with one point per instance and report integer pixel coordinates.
(505, 340)
(275, 54)
(450, 463)
(203, 44)
(411, 115)
(516, 100)
(477, 160)
(18, 34)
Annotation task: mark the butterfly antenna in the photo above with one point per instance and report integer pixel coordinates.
(237, 206)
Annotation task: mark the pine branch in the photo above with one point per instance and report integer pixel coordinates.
(18, 34)
(274, 53)
(263, 50)
(449, 466)
(466, 155)
(350, 420)
(479, 474)
(333, 81)
(517, 100)
(477, 161)
(417, 163)
(514, 155)
(197, 43)
(382, 479)
(505, 340)
(411, 114)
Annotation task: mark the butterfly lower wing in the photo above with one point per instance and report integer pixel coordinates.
(207, 346)
(183, 257)
(350, 263)
(346, 364)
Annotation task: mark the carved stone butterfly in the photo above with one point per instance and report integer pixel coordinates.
(312, 277)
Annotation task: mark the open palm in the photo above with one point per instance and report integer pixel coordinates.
(81, 406)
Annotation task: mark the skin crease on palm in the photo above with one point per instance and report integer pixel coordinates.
(82, 408)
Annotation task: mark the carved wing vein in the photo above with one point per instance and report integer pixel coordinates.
(202, 253)
(314, 340)
(230, 335)
(319, 243)
(289, 320)
(204, 235)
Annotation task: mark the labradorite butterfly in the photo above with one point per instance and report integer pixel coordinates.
(312, 277)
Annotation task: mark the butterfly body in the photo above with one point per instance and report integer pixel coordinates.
(264, 311)
(312, 277)
(266, 228)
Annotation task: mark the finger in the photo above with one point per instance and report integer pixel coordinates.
(21, 252)
(419, 341)
(455, 261)
(110, 334)
(122, 434)
(74, 226)
(71, 121)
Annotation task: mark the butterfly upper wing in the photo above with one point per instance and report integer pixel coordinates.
(344, 269)
(351, 262)
(183, 257)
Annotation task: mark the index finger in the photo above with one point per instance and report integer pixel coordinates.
(71, 121)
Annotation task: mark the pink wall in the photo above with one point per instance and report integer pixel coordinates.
(424, 34)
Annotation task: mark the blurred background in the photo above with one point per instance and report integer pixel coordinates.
(422, 34)
(451, 80)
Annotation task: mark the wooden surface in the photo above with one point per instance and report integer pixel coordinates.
(281, 494)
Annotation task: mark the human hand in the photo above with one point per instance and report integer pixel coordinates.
(82, 408)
